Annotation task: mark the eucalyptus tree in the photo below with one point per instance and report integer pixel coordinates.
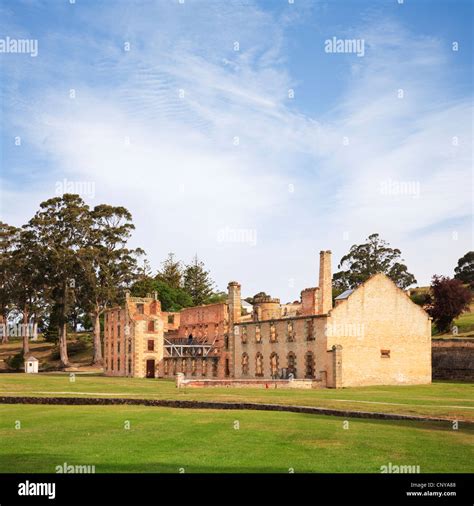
(108, 266)
(9, 237)
(29, 282)
(364, 260)
(61, 229)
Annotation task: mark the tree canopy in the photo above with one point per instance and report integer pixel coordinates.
(369, 258)
(464, 271)
(449, 298)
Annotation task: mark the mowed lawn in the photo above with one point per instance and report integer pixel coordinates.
(440, 399)
(184, 440)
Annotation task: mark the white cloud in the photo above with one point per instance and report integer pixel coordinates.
(184, 179)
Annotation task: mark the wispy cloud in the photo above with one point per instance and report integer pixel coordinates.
(193, 136)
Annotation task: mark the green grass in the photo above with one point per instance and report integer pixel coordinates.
(440, 399)
(167, 440)
(465, 325)
(465, 322)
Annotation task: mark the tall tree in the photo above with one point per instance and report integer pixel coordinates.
(171, 272)
(465, 269)
(364, 260)
(28, 274)
(108, 266)
(61, 227)
(9, 238)
(449, 298)
(197, 282)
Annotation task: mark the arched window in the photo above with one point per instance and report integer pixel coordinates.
(291, 361)
(183, 366)
(175, 366)
(309, 364)
(243, 330)
(309, 330)
(193, 366)
(258, 335)
(290, 333)
(245, 364)
(273, 333)
(274, 365)
(165, 367)
(259, 364)
(204, 367)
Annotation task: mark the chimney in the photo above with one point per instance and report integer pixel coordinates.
(234, 302)
(325, 282)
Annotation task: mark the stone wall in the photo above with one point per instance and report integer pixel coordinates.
(385, 337)
(283, 344)
(453, 359)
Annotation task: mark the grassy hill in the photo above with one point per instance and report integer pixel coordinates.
(465, 325)
(80, 349)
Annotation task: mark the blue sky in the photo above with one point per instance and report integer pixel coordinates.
(228, 131)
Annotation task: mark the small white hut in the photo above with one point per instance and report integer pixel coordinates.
(31, 365)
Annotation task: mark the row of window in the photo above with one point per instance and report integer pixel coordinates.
(275, 370)
(201, 330)
(109, 365)
(290, 332)
(150, 346)
(174, 366)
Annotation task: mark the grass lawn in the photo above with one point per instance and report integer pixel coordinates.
(167, 440)
(465, 325)
(440, 399)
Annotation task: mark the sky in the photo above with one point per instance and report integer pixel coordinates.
(251, 133)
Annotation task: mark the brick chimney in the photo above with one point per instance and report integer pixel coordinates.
(325, 282)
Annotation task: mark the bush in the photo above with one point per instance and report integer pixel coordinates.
(16, 362)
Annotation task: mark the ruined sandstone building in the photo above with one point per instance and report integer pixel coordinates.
(374, 335)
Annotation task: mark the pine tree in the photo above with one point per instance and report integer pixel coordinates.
(171, 272)
(197, 282)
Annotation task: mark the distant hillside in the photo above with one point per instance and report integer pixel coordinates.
(80, 350)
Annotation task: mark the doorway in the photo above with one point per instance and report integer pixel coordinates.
(150, 368)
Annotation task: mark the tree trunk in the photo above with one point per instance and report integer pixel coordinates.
(63, 345)
(3, 322)
(98, 360)
(26, 334)
(63, 330)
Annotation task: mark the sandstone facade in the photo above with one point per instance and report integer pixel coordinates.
(374, 336)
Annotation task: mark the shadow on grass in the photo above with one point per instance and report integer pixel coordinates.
(38, 463)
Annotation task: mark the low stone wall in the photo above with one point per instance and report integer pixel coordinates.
(181, 381)
(93, 401)
(453, 359)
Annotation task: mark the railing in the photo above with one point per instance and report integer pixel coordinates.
(183, 347)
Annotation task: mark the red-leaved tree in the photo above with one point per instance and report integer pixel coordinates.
(449, 298)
